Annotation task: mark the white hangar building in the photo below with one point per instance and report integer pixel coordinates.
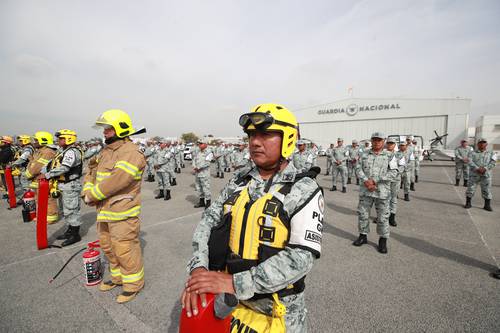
(358, 118)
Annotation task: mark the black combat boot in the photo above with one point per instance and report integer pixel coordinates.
(382, 245)
(228, 169)
(344, 190)
(392, 220)
(361, 240)
(416, 179)
(468, 203)
(66, 234)
(167, 195)
(348, 180)
(465, 183)
(412, 186)
(487, 205)
(334, 188)
(375, 220)
(207, 203)
(496, 274)
(457, 182)
(327, 173)
(407, 197)
(173, 182)
(401, 186)
(222, 175)
(200, 204)
(74, 237)
(357, 181)
(217, 174)
(160, 194)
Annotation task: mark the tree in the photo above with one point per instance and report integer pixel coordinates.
(189, 137)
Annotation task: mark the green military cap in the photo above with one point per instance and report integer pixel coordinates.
(379, 135)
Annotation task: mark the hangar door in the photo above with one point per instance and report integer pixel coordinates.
(325, 133)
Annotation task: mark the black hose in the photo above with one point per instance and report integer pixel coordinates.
(66, 264)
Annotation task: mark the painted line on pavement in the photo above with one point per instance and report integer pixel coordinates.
(473, 221)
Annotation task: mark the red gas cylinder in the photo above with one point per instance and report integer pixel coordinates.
(41, 220)
(92, 264)
(11, 188)
(205, 320)
(29, 206)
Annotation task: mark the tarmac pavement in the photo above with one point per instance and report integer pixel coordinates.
(435, 277)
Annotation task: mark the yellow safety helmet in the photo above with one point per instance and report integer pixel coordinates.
(117, 119)
(273, 117)
(44, 138)
(24, 139)
(67, 134)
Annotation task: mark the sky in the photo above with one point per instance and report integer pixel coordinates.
(196, 66)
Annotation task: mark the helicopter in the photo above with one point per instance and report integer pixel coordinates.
(432, 149)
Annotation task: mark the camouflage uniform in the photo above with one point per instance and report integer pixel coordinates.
(340, 155)
(171, 165)
(302, 161)
(278, 271)
(148, 154)
(241, 158)
(372, 166)
(410, 166)
(92, 151)
(329, 160)
(486, 159)
(219, 159)
(228, 151)
(163, 161)
(201, 161)
(354, 153)
(398, 160)
(27, 153)
(417, 151)
(462, 167)
(406, 173)
(314, 154)
(70, 168)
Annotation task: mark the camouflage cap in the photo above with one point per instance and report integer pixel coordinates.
(354, 142)
(482, 140)
(301, 142)
(340, 139)
(464, 140)
(402, 143)
(379, 135)
(391, 140)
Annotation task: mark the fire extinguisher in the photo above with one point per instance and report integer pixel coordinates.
(29, 206)
(91, 264)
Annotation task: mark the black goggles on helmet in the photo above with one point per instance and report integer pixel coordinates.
(261, 121)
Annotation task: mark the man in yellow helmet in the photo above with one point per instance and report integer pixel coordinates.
(66, 169)
(25, 156)
(113, 185)
(265, 228)
(45, 152)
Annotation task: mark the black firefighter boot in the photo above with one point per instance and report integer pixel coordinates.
(74, 236)
(173, 182)
(487, 205)
(468, 203)
(412, 186)
(407, 197)
(200, 204)
(465, 182)
(392, 220)
(344, 190)
(334, 188)
(167, 195)
(207, 203)
(160, 194)
(66, 234)
(457, 182)
(382, 245)
(362, 239)
(348, 180)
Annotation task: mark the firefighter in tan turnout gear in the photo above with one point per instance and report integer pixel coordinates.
(113, 185)
(45, 152)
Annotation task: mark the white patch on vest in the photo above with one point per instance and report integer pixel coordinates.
(494, 157)
(307, 224)
(402, 161)
(393, 164)
(69, 158)
(209, 157)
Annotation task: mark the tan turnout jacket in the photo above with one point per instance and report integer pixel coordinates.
(41, 158)
(114, 181)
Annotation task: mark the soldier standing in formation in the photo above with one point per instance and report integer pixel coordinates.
(241, 157)
(396, 158)
(418, 153)
(374, 172)
(405, 175)
(201, 171)
(162, 166)
(149, 155)
(219, 159)
(354, 152)
(302, 158)
(66, 168)
(462, 159)
(481, 163)
(339, 158)
(329, 159)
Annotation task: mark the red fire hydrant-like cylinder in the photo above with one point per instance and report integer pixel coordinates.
(205, 320)
(41, 214)
(29, 206)
(11, 188)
